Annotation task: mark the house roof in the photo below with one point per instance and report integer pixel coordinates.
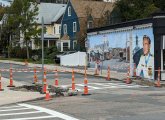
(51, 12)
(97, 8)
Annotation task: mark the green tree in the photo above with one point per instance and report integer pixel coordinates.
(134, 9)
(2, 11)
(21, 23)
(28, 24)
(160, 4)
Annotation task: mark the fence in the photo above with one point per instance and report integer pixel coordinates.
(75, 59)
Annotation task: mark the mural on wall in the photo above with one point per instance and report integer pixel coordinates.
(125, 48)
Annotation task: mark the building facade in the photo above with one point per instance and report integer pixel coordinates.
(80, 15)
(138, 44)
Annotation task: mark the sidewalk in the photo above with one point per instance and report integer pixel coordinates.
(9, 96)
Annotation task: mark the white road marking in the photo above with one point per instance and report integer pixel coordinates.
(99, 84)
(51, 112)
(88, 86)
(107, 85)
(20, 113)
(14, 109)
(10, 107)
(32, 118)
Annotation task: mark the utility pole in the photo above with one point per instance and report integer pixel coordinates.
(42, 37)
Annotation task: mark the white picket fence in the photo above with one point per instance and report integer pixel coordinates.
(75, 59)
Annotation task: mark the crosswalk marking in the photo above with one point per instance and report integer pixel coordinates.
(9, 112)
(51, 112)
(32, 118)
(10, 107)
(14, 109)
(21, 113)
(100, 84)
(88, 86)
(97, 86)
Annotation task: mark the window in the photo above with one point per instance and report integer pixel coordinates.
(59, 46)
(54, 30)
(65, 28)
(69, 11)
(90, 24)
(65, 46)
(59, 29)
(74, 27)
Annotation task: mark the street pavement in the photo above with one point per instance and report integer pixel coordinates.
(109, 100)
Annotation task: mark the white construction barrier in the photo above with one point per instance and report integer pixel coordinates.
(75, 59)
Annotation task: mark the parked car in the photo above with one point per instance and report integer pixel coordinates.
(57, 57)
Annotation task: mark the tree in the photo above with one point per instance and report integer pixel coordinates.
(25, 12)
(134, 9)
(2, 11)
(160, 4)
(28, 24)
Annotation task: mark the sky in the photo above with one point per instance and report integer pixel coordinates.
(5, 2)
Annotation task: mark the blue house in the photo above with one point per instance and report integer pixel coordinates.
(69, 28)
(79, 16)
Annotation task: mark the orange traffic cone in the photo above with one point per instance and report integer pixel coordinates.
(56, 78)
(73, 81)
(11, 78)
(44, 88)
(134, 73)
(85, 84)
(26, 62)
(47, 96)
(128, 81)
(1, 82)
(108, 74)
(44, 80)
(35, 77)
(158, 81)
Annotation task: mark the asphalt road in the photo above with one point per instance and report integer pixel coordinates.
(109, 100)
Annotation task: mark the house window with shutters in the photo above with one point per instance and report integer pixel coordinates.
(74, 27)
(65, 28)
(90, 24)
(69, 11)
(65, 46)
(59, 29)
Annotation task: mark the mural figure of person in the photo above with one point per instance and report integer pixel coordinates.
(145, 67)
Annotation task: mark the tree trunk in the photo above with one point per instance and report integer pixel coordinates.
(9, 46)
(27, 50)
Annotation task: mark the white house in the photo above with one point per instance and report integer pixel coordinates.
(52, 14)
